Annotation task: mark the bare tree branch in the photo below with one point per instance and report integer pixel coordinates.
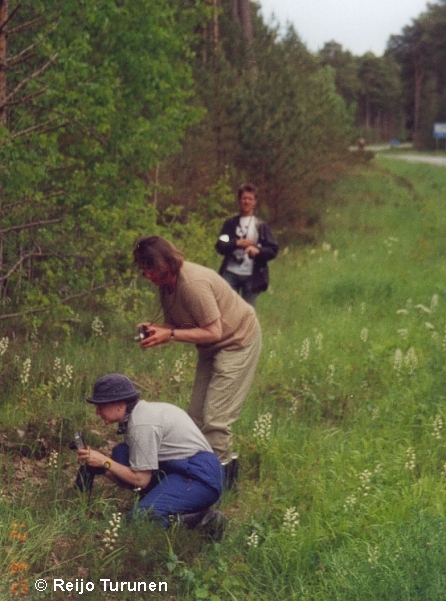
(27, 200)
(26, 98)
(18, 264)
(25, 81)
(62, 302)
(16, 228)
(24, 25)
(11, 14)
(37, 127)
(9, 63)
(19, 58)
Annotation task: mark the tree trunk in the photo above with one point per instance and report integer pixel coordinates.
(4, 13)
(215, 28)
(419, 79)
(242, 9)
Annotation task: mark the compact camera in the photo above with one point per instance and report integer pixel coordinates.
(238, 256)
(143, 332)
(79, 441)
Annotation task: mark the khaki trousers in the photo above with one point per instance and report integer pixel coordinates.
(222, 383)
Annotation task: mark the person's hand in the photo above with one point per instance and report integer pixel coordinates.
(252, 251)
(245, 242)
(156, 335)
(91, 457)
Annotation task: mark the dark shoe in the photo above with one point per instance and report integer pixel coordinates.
(231, 470)
(211, 521)
(191, 520)
(214, 523)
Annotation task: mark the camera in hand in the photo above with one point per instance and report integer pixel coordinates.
(143, 333)
(238, 256)
(78, 442)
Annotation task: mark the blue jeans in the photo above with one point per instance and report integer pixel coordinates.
(241, 283)
(179, 486)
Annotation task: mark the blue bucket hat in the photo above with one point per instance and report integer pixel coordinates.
(113, 388)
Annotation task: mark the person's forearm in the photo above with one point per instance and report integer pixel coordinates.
(125, 474)
(196, 335)
(162, 334)
(115, 470)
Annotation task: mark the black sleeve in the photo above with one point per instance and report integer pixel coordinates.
(267, 245)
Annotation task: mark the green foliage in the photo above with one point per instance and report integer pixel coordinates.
(420, 50)
(273, 117)
(113, 102)
(371, 87)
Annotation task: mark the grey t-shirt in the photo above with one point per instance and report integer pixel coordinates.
(161, 432)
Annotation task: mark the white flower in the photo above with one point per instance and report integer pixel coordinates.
(349, 502)
(291, 521)
(318, 341)
(294, 405)
(98, 327)
(111, 536)
(434, 302)
(398, 359)
(253, 540)
(364, 334)
(365, 478)
(52, 460)
(411, 360)
(24, 376)
(444, 340)
(437, 427)
(305, 350)
(4, 343)
(410, 463)
(423, 308)
(180, 374)
(330, 374)
(262, 427)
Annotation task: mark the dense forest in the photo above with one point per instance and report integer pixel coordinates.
(403, 93)
(122, 118)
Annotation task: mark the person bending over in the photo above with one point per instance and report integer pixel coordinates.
(201, 308)
(164, 454)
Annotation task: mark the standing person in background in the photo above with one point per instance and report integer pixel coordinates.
(201, 308)
(247, 245)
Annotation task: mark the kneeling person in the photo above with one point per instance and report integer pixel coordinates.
(163, 453)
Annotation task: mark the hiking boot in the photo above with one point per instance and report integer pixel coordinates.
(211, 521)
(214, 524)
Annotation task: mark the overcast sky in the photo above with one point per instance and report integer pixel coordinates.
(359, 25)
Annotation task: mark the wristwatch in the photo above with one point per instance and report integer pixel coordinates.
(107, 464)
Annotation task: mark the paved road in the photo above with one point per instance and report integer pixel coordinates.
(387, 151)
(380, 147)
(418, 158)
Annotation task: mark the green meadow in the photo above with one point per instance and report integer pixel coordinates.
(342, 440)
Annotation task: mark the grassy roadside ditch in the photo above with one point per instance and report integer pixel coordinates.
(342, 441)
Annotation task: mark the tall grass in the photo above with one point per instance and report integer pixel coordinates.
(342, 440)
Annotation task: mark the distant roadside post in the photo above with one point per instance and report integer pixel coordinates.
(439, 132)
